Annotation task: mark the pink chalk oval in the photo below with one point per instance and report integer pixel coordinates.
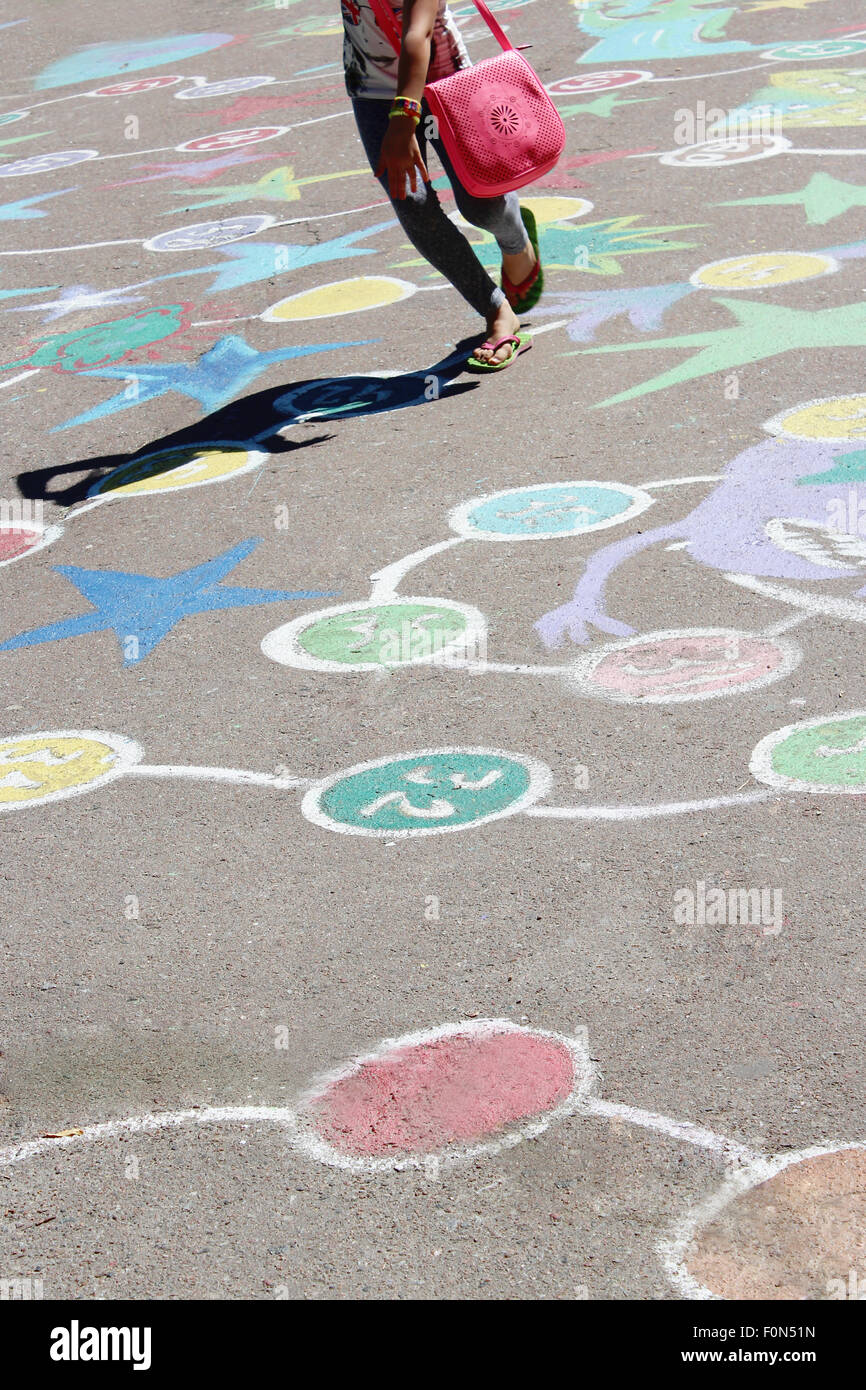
(453, 1089)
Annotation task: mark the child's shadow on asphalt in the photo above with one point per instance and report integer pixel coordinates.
(324, 399)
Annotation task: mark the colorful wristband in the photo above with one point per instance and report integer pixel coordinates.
(405, 106)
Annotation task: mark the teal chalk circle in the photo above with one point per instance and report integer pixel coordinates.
(427, 792)
(546, 511)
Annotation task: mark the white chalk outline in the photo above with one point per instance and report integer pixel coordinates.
(408, 289)
(773, 55)
(265, 220)
(845, 609)
(636, 75)
(193, 145)
(163, 84)
(776, 426)
(672, 1249)
(761, 761)
(540, 782)
(582, 670)
(309, 1142)
(7, 171)
(660, 808)
(50, 532)
(148, 1124)
(203, 91)
(101, 492)
(459, 518)
(281, 644)
(678, 158)
(127, 750)
(829, 267)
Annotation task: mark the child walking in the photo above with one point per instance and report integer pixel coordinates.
(391, 115)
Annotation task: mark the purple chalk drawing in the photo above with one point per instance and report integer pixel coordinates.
(645, 308)
(767, 518)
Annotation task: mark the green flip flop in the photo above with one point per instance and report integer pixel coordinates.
(522, 342)
(526, 295)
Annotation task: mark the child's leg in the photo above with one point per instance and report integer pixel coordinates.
(423, 220)
(498, 216)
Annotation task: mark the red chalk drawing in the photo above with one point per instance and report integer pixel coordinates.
(425, 1096)
(135, 84)
(15, 541)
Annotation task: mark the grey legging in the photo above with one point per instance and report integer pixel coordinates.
(425, 223)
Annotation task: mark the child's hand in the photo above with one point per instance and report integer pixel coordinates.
(401, 157)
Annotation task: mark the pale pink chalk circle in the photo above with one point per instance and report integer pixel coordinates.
(457, 1088)
(683, 666)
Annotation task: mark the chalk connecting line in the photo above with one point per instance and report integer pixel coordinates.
(487, 1086)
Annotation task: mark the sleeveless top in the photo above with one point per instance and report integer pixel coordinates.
(370, 61)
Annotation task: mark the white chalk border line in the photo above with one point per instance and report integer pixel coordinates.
(673, 1248)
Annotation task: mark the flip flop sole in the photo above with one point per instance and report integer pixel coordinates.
(474, 364)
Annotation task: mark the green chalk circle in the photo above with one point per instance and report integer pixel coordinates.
(819, 755)
(362, 636)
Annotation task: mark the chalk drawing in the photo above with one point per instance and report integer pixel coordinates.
(45, 163)
(173, 470)
(141, 609)
(597, 81)
(768, 517)
(18, 539)
(232, 139)
(43, 767)
(822, 199)
(133, 86)
(429, 792)
(340, 297)
(206, 235)
(763, 270)
(547, 511)
(801, 1218)
(457, 1092)
(827, 754)
(216, 378)
(684, 665)
(106, 59)
(727, 149)
(365, 636)
(203, 90)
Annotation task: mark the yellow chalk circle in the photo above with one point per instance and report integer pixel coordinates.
(557, 209)
(169, 470)
(757, 272)
(340, 297)
(49, 766)
(833, 417)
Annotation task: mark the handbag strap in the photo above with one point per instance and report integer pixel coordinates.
(387, 22)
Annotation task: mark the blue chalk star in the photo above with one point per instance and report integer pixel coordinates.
(141, 609)
(252, 261)
(26, 207)
(214, 380)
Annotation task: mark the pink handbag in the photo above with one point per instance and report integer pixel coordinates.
(495, 119)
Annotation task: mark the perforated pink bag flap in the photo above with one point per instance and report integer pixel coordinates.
(496, 121)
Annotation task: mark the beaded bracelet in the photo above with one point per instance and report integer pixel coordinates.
(413, 118)
(405, 106)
